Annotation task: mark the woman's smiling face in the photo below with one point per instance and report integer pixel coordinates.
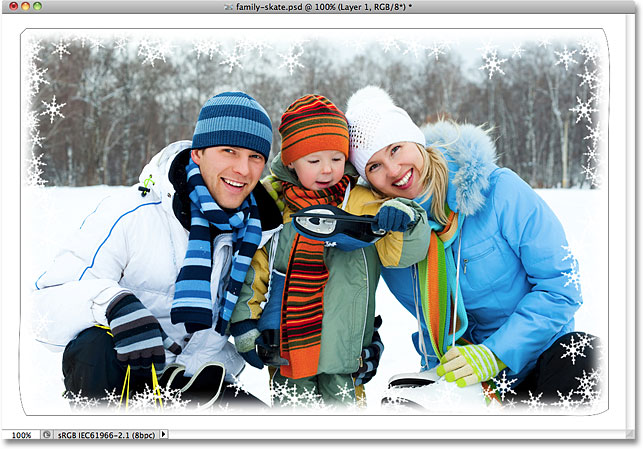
(396, 170)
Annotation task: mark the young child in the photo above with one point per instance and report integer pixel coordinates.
(320, 306)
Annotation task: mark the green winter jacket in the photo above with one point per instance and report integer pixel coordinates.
(349, 294)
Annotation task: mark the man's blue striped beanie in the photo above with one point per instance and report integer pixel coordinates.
(234, 119)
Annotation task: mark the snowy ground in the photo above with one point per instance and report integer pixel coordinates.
(49, 216)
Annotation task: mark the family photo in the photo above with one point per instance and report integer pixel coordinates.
(362, 222)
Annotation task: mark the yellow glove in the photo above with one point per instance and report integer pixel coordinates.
(469, 364)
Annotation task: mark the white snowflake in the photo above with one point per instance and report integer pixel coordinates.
(78, 400)
(82, 37)
(436, 49)
(413, 47)
(510, 403)
(206, 47)
(53, 109)
(291, 58)
(34, 171)
(574, 349)
(503, 386)
(32, 50)
(591, 173)
(61, 48)
(121, 44)
(517, 51)
(233, 59)
(260, 47)
(565, 57)
(585, 340)
(591, 154)
(237, 386)
(112, 398)
(35, 138)
(488, 393)
(588, 78)
(35, 77)
(345, 392)
(590, 51)
(595, 134)
(583, 109)
(388, 43)
(492, 63)
(573, 275)
(587, 388)
(40, 323)
(487, 49)
(565, 401)
(32, 120)
(544, 43)
(534, 403)
(153, 49)
(96, 44)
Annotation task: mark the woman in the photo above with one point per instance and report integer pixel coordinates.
(497, 254)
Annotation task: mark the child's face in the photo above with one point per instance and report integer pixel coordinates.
(319, 170)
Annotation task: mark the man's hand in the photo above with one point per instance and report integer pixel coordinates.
(139, 340)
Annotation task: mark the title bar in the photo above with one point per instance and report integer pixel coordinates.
(314, 7)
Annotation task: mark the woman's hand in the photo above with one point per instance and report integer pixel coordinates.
(469, 364)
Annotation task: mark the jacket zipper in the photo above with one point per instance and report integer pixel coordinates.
(361, 362)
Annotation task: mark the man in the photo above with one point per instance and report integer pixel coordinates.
(152, 275)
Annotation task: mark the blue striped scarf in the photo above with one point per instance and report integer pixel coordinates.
(192, 296)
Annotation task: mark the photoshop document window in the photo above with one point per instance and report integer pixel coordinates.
(315, 220)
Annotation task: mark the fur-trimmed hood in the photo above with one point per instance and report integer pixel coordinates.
(471, 157)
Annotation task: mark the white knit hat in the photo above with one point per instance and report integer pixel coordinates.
(374, 122)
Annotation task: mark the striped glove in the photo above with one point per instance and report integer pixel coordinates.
(273, 186)
(394, 215)
(370, 357)
(469, 364)
(139, 340)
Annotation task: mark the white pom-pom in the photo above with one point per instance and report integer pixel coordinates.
(369, 95)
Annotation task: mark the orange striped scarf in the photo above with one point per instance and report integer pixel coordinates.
(302, 307)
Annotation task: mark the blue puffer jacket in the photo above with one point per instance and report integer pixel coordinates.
(514, 256)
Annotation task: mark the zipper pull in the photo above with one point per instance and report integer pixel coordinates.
(465, 261)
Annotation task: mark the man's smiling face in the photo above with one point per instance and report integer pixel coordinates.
(229, 173)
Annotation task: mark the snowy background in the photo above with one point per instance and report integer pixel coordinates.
(74, 136)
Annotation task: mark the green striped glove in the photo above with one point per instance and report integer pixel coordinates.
(469, 364)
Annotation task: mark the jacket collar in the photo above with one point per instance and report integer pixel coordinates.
(471, 157)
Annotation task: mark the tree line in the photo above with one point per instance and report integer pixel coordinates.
(119, 112)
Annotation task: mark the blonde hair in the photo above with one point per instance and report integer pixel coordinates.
(435, 176)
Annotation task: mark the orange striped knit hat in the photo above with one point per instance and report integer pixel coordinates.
(312, 124)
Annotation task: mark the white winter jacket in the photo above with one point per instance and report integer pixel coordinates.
(135, 244)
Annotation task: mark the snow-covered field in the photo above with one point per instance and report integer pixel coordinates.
(50, 215)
